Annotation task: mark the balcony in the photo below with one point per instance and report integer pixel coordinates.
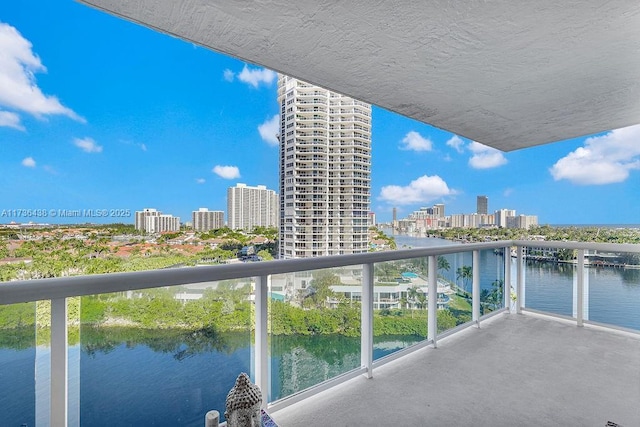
(515, 370)
(515, 351)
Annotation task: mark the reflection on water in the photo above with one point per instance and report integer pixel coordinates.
(17, 382)
(136, 377)
(157, 377)
(299, 362)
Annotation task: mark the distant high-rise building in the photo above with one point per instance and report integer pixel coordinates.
(438, 210)
(482, 205)
(204, 220)
(525, 221)
(325, 171)
(502, 217)
(250, 207)
(161, 223)
(372, 219)
(154, 221)
(142, 215)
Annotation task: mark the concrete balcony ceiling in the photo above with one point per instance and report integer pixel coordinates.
(508, 74)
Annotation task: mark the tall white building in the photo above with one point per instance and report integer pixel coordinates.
(142, 215)
(502, 217)
(153, 221)
(249, 207)
(204, 220)
(325, 171)
(161, 223)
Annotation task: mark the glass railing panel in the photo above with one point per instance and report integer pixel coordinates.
(613, 289)
(314, 327)
(18, 355)
(549, 280)
(163, 356)
(400, 295)
(455, 276)
(491, 280)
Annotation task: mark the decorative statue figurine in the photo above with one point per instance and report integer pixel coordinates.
(243, 403)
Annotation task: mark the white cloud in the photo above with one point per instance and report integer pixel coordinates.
(201, 180)
(485, 157)
(228, 75)
(143, 147)
(604, 159)
(11, 120)
(18, 88)
(255, 76)
(269, 129)
(457, 143)
(413, 141)
(507, 192)
(50, 170)
(226, 172)
(88, 145)
(29, 162)
(422, 190)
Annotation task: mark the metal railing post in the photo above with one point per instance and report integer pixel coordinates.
(507, 278)
(59, 363)
(475, 297)
(366, 339)
(519, 279)
(432, 314)
(261, 353)
(580, 289)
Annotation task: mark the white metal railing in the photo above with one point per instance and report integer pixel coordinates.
(58, 289)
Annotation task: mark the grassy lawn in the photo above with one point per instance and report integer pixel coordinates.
(459, 303)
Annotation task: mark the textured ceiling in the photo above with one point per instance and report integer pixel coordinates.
(506, 73)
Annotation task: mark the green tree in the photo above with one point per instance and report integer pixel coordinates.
(566, 254)
(421, 300)
(270, 233)
(464, 273)
(265, 255)
(319, 289)
(443, 264)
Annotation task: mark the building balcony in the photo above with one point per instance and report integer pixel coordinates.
(525, 370)
(520, 346)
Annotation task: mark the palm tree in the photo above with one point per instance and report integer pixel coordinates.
(443, 264)
(403, 302)
(495, 296)
(466, 274)
(412, 294)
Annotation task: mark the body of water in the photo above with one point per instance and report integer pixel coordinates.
(612, 295)
(129, 377)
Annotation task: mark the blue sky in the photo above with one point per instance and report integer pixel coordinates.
(100, 113)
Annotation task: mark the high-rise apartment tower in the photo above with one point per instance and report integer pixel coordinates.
(249, 207)
(482, 205)
(204, 220)
(325, 171)
(151, 220)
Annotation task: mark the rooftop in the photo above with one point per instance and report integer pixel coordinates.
(514, 370)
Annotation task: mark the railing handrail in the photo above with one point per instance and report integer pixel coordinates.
(63, 287)
(605, 247)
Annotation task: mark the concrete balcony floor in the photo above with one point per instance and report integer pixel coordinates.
(516, 370)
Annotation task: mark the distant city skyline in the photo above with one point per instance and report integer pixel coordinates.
(98, 113)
